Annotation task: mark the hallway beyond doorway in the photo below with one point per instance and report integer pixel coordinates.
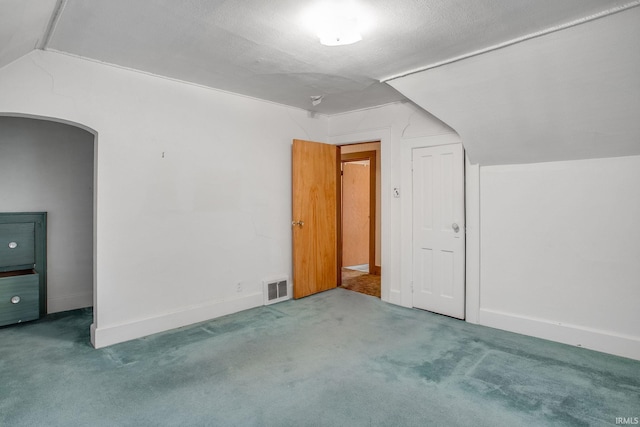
(361, 281)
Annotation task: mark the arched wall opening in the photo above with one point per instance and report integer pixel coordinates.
(49, 165)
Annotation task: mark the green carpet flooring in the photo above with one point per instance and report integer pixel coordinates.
(334, 359)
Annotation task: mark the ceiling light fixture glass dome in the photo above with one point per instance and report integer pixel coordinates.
(337, 23)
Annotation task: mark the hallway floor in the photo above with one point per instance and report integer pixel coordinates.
(359, 281)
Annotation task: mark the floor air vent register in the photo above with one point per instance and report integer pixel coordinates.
(276, 290)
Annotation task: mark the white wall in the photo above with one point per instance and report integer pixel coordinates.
(560, 251)
(555, 242)
(393, 125)
(48, 167)
(175, 233)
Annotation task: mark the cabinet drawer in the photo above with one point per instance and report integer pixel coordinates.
(26, 304)
(17, 244)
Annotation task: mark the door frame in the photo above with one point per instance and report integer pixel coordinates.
(389, 255)
(472, 219)
(354, 157)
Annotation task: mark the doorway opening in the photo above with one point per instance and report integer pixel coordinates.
(48, 165)
(359, 218)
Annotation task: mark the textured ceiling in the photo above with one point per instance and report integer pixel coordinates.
(573, 94)
(23, 27)
(261, 48)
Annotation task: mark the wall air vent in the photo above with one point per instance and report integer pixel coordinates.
(276, 290)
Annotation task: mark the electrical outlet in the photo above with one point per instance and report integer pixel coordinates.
(239, 287)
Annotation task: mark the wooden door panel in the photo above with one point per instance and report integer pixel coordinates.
(355, 214)
(314, 207)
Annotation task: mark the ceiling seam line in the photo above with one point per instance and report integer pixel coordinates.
(511, 42)
(53, 23)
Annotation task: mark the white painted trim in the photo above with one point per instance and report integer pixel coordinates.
(395, 297)
(92, 331)
(53, 23)
(384, 136)
(406, 196)
(95, 234)
(521, 39)
(49, 119)
(594, 339)
(472, 214)
(69, 302)
(102, 337)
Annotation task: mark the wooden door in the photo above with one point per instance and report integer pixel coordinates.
(355, 214)
(315, 217)
(369, 156)
(438, 230)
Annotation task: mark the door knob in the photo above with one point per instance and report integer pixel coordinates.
(298, 223)
(455, 227)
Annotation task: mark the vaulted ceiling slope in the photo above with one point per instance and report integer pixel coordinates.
(572, 94)
(263, 49)
(24, 25)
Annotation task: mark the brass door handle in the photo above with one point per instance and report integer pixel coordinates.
(298, 223)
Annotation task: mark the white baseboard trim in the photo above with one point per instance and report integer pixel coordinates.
(580, 336)
(69, 302)
(105, 336)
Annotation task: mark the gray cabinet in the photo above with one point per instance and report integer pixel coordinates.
(19, 298)
(22, 267)
(17, 247)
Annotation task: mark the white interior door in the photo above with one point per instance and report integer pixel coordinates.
(439, 229)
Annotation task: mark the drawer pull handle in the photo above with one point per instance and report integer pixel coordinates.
(13, 245)
(15, 299)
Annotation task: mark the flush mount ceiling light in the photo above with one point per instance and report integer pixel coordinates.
(337, 23)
